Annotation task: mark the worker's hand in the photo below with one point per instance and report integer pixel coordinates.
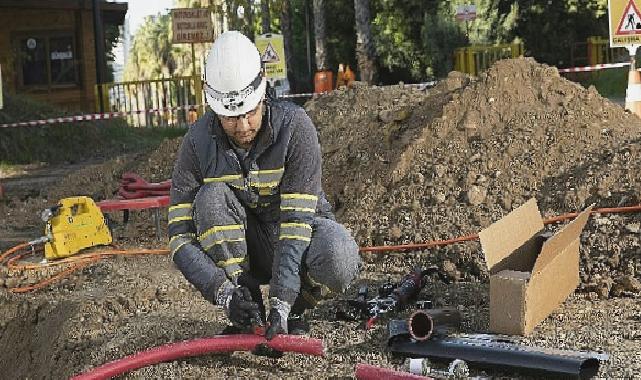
(277, 320)
(248, 281)
(242, 310)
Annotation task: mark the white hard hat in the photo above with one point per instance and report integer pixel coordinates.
(234, 80)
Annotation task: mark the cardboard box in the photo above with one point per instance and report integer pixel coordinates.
(529, 275)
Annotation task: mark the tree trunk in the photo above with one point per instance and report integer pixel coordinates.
(320, 35)
(264, 15)
(249, 16)
(288, 40)
(364, 44)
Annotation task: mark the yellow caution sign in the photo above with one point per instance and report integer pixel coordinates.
(272, 53)
(625, 22)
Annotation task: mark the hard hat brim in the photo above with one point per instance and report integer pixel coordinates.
(250, 102)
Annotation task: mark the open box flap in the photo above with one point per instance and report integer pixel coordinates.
(557, 243)
(502, 238)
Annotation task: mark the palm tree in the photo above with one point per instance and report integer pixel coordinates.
(320, 35)
(364, 44)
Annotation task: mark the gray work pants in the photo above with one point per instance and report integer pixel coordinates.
(329, 264)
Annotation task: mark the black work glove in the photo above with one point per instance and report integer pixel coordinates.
(242, 311)
(249, 282)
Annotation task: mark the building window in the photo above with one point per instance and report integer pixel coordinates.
(47, 61)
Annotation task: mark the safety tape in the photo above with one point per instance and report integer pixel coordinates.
(116, 114)
(95, 116)
(594, 68)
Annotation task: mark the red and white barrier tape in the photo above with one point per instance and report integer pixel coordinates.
(111, 115)
(95, 116)
(594, 68)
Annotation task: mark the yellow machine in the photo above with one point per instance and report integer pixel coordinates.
(73, 225)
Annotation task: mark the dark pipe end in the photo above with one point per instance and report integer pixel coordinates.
(589, 368)
(421, 325)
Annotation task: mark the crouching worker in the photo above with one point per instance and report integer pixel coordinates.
(247, 206)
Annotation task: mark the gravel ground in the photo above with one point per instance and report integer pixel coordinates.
(123, 306)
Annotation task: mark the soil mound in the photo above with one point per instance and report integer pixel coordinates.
(466, 155)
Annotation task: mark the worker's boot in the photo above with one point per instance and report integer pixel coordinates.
(296, 322)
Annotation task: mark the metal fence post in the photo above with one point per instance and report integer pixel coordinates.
(459, 60)
(96, 94)
(105, 97)
(470, 64)
(198, 89)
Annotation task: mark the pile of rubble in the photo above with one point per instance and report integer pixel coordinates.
(454, 159)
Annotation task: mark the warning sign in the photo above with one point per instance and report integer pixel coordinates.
(625, 23)
(191, 25)
(272, 53)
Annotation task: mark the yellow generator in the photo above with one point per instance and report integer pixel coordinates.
(73, 225)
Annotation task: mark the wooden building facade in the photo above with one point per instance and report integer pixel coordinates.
(48, 52)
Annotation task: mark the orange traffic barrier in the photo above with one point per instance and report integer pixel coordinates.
(345, 76)
(633, 93)
(323, 81)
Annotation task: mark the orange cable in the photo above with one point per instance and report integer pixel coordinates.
(438, 243)
(84, 260)
(12, 250)
(78, 262)
(56, 277)
(11, 265)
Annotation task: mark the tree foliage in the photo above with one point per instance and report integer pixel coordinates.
(556, 31)
(151, 53)
(413, 39)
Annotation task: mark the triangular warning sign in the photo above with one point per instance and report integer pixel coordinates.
(269, 56)
(630, 20)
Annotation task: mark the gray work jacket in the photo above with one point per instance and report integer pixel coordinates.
(282, 185)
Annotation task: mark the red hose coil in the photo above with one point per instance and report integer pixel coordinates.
(196, 347)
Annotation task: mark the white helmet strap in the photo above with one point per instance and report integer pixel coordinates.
(234, 99)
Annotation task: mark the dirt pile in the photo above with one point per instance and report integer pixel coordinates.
(467, 153)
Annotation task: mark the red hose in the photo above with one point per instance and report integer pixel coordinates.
(370, 372)
(221, 343)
